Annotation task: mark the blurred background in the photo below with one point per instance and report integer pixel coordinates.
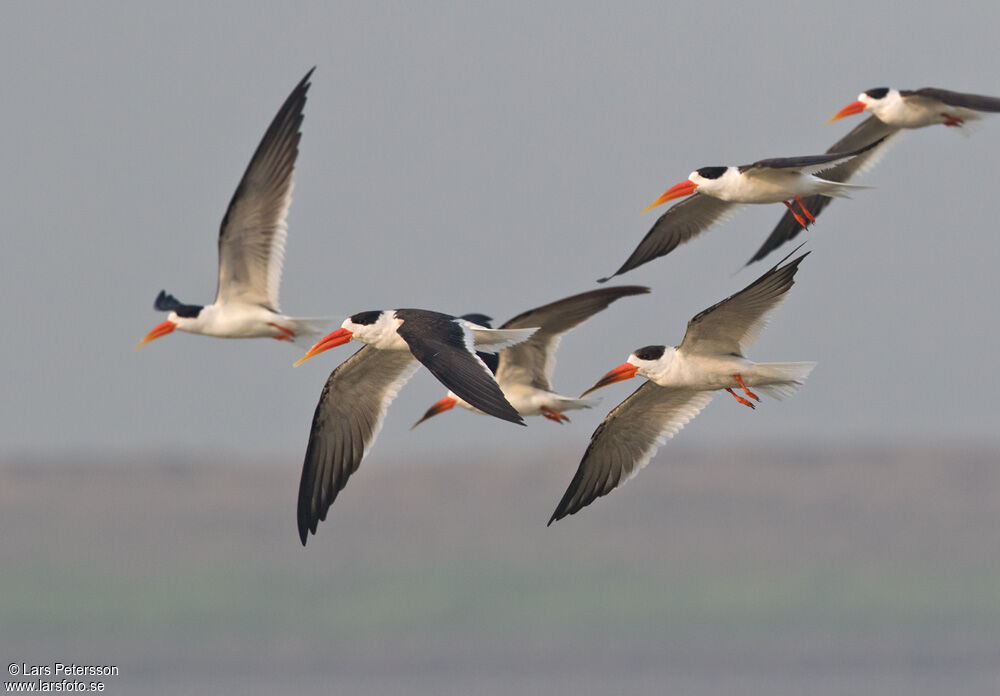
(492, 158)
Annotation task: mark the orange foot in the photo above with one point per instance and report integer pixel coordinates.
(289, 334)
(798, 199)
(950, 120)
(740, 398)
(739, 381)
(554, 415)
(798, 218)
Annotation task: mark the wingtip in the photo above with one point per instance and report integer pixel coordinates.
(604, 280)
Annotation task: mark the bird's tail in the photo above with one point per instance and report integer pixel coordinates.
(779, 380)
(839, 189)
(565, 403)
(493, 340)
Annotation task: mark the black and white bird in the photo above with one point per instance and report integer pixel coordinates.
(524, 371)
(252, 246)
(682, 381)
(717, 192)
(892, 111)
(354, 401)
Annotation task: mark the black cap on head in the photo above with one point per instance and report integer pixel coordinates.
(169, 303)
(877, 92)
(712, 172)
(366, 318)
(650, 352)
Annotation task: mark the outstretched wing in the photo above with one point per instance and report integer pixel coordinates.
(253, 231)
(727, 326)
(348, 418)
(976, 102)
(681, 222)
(810, 164)
(533, 361)
(868, 131)
(444, 345)
(627, 439)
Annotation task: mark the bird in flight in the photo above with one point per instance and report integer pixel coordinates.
(251, 246)
(892, 111)
(716, 192)
(681, 382)
(524, 371)
(354, 401)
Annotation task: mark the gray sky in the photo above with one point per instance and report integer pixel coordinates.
(489, 158)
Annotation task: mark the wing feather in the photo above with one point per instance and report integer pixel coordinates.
(348, 418)
(253, 231)
(533, 361)
(810, 164)
(728, 326)
(868, 131)
(444, 344)
(627, 439)
(682, 222)
(976, 102)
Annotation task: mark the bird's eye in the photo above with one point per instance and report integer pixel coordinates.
(877, 92)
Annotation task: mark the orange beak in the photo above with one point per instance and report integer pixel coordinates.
(685, 188)
(620, 373)
(445, 404)
(337, 338)
(849, 110)
(161, 329)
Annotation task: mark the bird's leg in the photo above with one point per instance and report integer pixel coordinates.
(740, 398)
(739, 381)
(554, 415)
(798, 218)
(950, 120)
(798, 199)
(289, 334)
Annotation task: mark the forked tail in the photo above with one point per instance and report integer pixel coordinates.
(783, 379)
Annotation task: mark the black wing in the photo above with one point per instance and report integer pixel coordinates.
(491, 359)
(870, 130)
(681, 222)
(348, 417)
(444, 347)
(976, 102)
(810, 163)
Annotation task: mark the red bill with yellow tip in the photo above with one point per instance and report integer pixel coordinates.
(849, 110)
(620, 373)
(161, 329)
(685, 188)
(332, 340)
(445, 404)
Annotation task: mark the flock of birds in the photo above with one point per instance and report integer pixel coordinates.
(506, 372)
